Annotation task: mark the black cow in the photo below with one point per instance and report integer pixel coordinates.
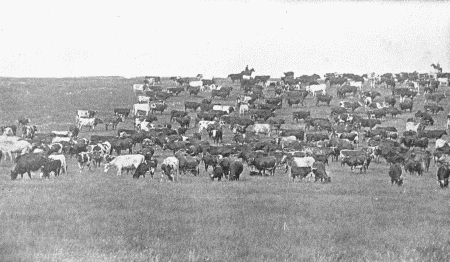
(113, 121)
(27, 163)
(300, 172)
(320, 172)
(191, 105)
(263, 163)
(443, 174)
(119, 144)
(176, 113)
(301, 115)
(209, 160)
(122, 111)
(51, 166)
(361, 162)
(217, 173)
(236, 168)
(323, 98)
(434, 108)
(395, 173)
(143, 168)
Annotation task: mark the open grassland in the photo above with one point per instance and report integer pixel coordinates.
(93, 216)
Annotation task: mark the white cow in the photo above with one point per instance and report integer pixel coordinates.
(358, 84)
(411, 126)
(61, 158)
(169, 165)
(12, 146)
(226, 109)
(59, 139)
(243, 109)
(440, 143)
(287, 140)
(198, 83)
(306, 161)
(443, 81)
(138, 87)
(88, 122)
(317, 88)
(62, 133)
(262, 128)
(143, 99)
(141, 107)
(125, 161)
(204, 125)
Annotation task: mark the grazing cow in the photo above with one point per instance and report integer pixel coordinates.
(395, 173)
(236, 168)
(320, 173)
(123, 161)
(264, 163)
(217, 173)
(300, 172)
(323, 98)
(169, 165)
(27, 163)
(84, 159)
(62, 159)
(262, 128)
(443, 174)
(51, 166)
(88, 122)
(143, 168)
(12, 145)
(434, 108)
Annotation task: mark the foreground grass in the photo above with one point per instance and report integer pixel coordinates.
(102, 217)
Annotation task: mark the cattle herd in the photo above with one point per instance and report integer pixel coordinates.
(351, 133)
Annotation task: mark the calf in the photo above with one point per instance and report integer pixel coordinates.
(51, 166)
(395, 173)
(84, 159)
(217, 173)
(443, 174)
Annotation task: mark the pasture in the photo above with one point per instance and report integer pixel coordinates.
(93, 216)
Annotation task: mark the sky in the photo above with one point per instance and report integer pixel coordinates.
(217, 38)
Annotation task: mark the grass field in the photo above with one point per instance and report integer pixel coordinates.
(93, 216)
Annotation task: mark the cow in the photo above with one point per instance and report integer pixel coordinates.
(323, 98)
(217, 135)
(236, 168)
(23, 121)
(191, 105)
(217, 173)
(320, 173)
(243, 109)
(183, 121)
(350, 105)
(300, 172)
(261, 113)
(88, 122)
(12, 145)
(124, 112)
(235, 77)
(141, 107)
(85, 114)
(28, 131)
(27, 163)
(264, 163)
(169, 165)
(143, 168)
(443, 174)
(176, 113)
(341, 91)
(123, 161)
(113, 122)
(62, 159)
(226, 109)
(159, 107)
(84, 159)
(361, 162)
(262, 128)
(395, 173)
(316, 88)
(51, 166)
(434, 108)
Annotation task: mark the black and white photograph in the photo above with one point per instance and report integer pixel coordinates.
(224, 131)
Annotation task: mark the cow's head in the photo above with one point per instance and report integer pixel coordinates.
(14, 174)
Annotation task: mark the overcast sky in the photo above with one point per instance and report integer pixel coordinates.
(216, 38)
